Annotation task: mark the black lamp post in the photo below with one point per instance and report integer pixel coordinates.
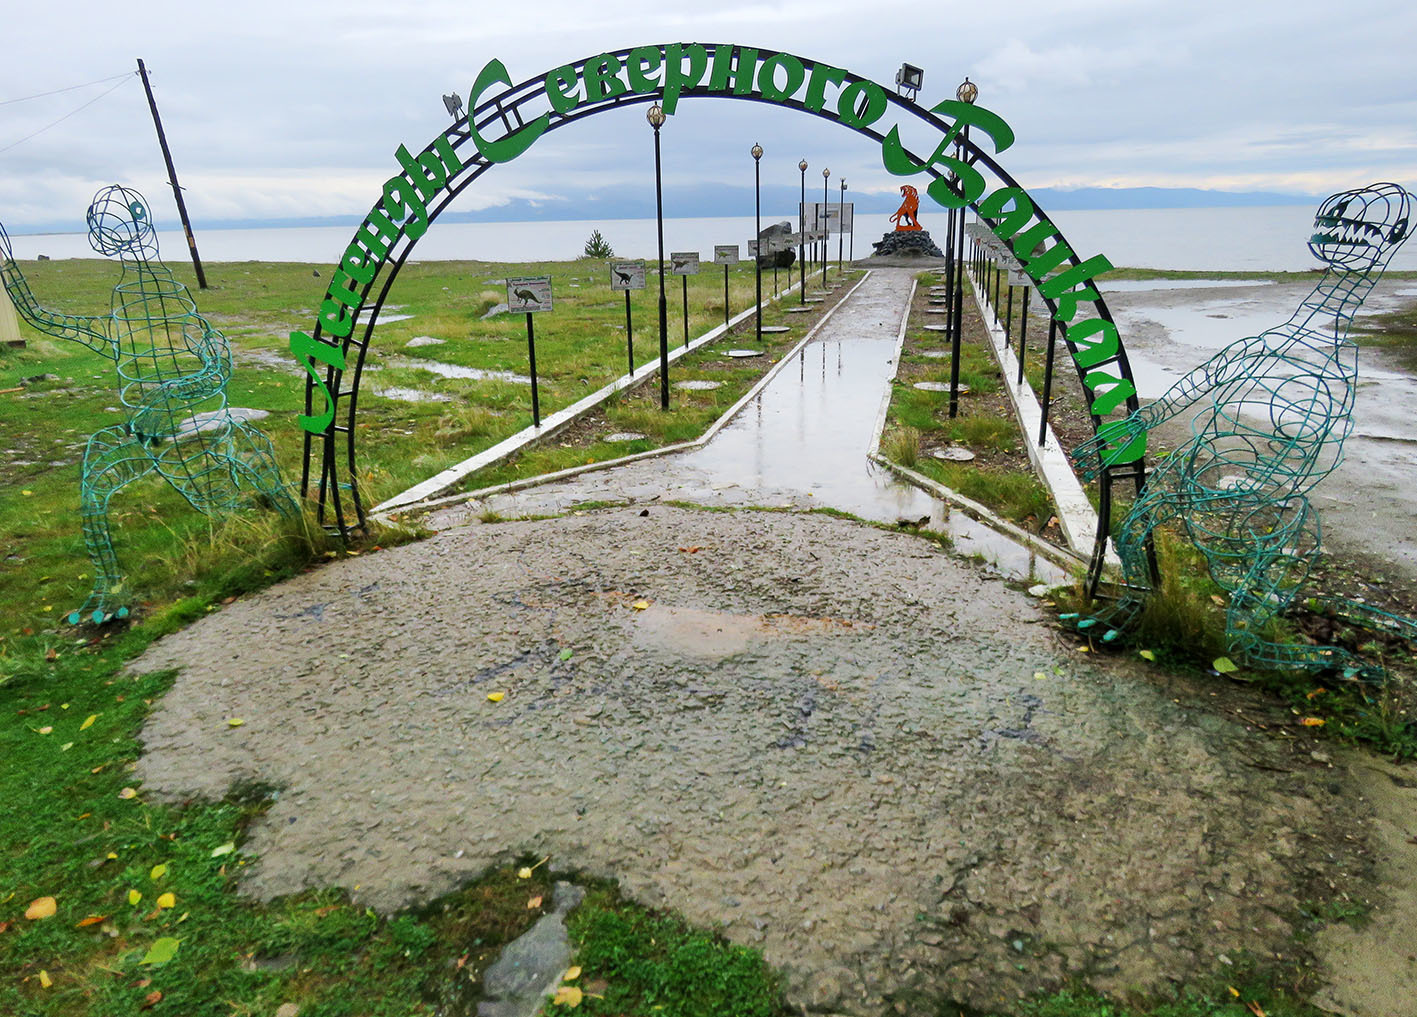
(968, 91)
(656, 118)
(840, 224)
(826, 174)
(802, 233)
(757, 151)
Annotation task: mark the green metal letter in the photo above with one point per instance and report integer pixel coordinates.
(514, 144)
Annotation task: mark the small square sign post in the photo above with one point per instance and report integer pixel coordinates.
(530, 294)
(627, 276)
(685, 264)
(725, 255)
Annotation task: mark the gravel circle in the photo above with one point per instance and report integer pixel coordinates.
(841, 745)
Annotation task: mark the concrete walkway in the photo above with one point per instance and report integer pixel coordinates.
(802, 443)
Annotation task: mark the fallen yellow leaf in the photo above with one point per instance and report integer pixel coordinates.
(46, 729)
(127, 793)
(572, 973)
(90, 920)
(524, 872)
(88, 722)
(533, 903)
(496, 697)
(134, 896)
(234, 722)
(167, 900)
(43, 907)
(1313, 722)
(640, 605)
(44, 979)
(223, 849)
(567, 995)
(158, 871)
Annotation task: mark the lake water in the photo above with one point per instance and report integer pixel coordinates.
(1216, 239)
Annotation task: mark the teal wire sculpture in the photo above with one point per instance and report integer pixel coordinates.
(1276, 410)
(172, 368)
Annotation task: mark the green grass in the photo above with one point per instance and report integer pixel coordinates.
(654, 964)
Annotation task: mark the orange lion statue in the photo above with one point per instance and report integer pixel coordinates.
(905, 217)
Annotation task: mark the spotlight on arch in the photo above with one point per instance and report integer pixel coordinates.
(908, 80)
(454, 105)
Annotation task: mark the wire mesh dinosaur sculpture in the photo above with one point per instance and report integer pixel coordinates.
(1275, 411)
(173, 367)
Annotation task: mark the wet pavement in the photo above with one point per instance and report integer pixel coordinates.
(801, 443)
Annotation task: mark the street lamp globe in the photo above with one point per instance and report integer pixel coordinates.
(655, 116)
(967, 92)
(757, 151)
(826, 173)
(802, 165)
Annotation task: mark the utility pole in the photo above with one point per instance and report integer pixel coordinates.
(172, 179)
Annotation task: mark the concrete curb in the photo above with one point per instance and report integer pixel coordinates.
(1075, 513)
(1061, 557)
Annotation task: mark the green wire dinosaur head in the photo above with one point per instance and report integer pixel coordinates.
(119, 224)
(1359, 230)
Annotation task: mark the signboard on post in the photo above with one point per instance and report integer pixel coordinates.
(627, 275)
(529, 294)
(725, 254)
(752, 247)
(685, 262)
(832, 217)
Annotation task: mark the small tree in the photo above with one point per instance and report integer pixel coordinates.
(598, 247)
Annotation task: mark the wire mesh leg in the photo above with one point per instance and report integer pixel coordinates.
(112, 460)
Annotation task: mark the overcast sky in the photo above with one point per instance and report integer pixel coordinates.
(294, 108)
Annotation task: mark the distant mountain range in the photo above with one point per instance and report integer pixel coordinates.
(712, 200)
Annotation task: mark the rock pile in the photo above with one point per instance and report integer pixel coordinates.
(907, 243)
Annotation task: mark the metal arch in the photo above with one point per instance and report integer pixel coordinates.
(506, 108)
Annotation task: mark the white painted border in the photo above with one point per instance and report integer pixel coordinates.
(1061, 557)
(1075, 513)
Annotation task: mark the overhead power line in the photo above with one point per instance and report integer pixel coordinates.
(66, 116)
(86, 84)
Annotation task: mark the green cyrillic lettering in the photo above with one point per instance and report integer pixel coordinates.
(309, 351)
(426, 172)
(377, 233)
(563, 89)
(403, 204)
(822, 75)
(642, 67)
(675, 78)
(335, 318)
(846, 104)
(725, 69)
(1090, 352)
(1105, 400)
(602, 78)
(516, 142)
(1015, 218)
(767, 76)
(358, 263)
(1063, 281)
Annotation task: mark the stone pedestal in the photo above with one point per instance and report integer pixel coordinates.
(907, 243)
